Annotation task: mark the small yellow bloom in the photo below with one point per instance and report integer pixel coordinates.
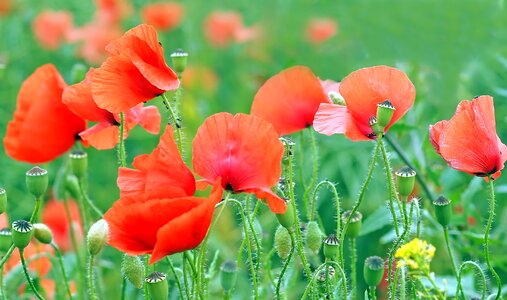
(416, 255)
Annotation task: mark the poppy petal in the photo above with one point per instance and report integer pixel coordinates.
(275, 203)
(334, 119)
(102, 136)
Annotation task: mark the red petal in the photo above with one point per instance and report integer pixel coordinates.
(102, 136)
(435, 132)
(276, 204)
(148, 117)
(335, 119)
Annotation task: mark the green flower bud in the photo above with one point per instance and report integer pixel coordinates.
(132, 268)
(336, 98)
(72, 186)
(5, 240)
(179, 58)
(22, 232)
(42, 233)
(377, 129)
(228, 275)
(3, 201)
(405, 179)
(331, 247)
(373, 270)
(97, 236)
(385, 111)
(37, 181)
(313, 236)
(355, 223)
(79, 163)
(158, 286)
(78, 73)
(287, 219)
(321, 280)
(443, 210)
(282, 242)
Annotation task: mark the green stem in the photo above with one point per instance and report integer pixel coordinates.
(123, 288)
(121, 149)
(359, 200)
(391, 187)
(146, 273)
(2, 290)
(36, 209)
(176, 278)
(324, 265)
(419, 219)
(479, 270)
(315, 171)
(27, 275)
(62, 268)
(187, 257)
(91, 283)
(89, 202)
(7, 255)
(451, 256)
(373, 293)
(285, 266)
(185, 276)
(486, 238)
(336, 200)
(434, 285)
(403, 288)
(353, 267)
(175, 121)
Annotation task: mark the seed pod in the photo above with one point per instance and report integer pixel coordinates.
(355, 223)
(373, 270)
(37, 181)
(228, 275)
(405, 179)
(22, 232)
(377, 129)
(79, 163)
(3, 201)
(179, 58)
(287, 219)
(443, 210)
(313, 236)
(321, 280)
(133, 270)
(72, 186)
(283, 244)
(42, 233)
(158, 286)
(97, 236)
(385, 111)
(331, 247)
(5, 240)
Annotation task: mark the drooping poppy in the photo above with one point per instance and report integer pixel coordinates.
(43, 128)
(468, 141)
(135, 71)
(224, 27)
(106, 134)
(163, 15)
(50, 28)
(290, 99)
(320, 30)
(244, 152)
(363, 90)
(54, 216)
(160, 227)
(161, 174)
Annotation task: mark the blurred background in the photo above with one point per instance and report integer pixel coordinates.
(451, 50)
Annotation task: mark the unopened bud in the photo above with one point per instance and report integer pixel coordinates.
(331, 247)
(158, 286)
(283, 244)
(5, 240)
(97, 236)
(405, 179)
(22, 232)
(42, 233)
(179, 58)
(37, 181)
(287, 218)
(443, 210)
(133, 270)
(79, 163)
(354, 226)
(374, 125)
(313, 236)
(336, 98)
(228, 275)
(385, 111)
(3, 201)
(373, 270)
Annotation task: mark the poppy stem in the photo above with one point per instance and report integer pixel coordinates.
(479, 270)
(121, 148)
(62, 268)
(175, 121)
(315, 171)
(451, 256)
(391, 189)
(285, 265)
(91, 284)
(2, 290)
(36, 209)
(486, 237)
(336, 197)
(176, 278)
(7, 255)
(84, 194)
(27, 276)
(353, 267)
(373, 292)
(317, 271)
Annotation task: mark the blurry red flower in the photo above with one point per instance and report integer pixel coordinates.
(224, 27)
(161, 174)
(134, 73)
(200, 78)
(55, 217)
(362, 91)
(289, 100)
(41, 264)
(106, 134)
(4, 222)
(5, 7)
(51, 28)
(112, 11)
(43, 127)
(242, 151)
(320, 30)
(163, 15)
(468, 141)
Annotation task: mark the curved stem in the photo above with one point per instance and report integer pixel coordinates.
(175, 121)
(91, 283)
(285, 265)
(315, 171)
(359, 200)
(7, 255)
(353, 267)
(336, 200)
(434, 285)
(451, 256)
(486, 237)
(90, 203)
(36, 209)
(122, 157)
(62, 268)
(176, 278)
(27, 276)
(312, 279)
(460, 274)
(392, 189)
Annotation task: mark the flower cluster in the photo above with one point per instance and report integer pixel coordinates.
(416, 255)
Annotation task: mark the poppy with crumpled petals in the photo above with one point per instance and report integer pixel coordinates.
(468, 141)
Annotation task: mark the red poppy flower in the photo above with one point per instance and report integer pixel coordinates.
(54, 216)
(224, 27)
(362, 91)
(468, 141)
(51, 27)
(161, 174)
(5, 7)
(40, 264)
(289, 100)
(43, 127)
(134, 73)
(105, 134)
(164, 16)
(320, 30)
(241, 151)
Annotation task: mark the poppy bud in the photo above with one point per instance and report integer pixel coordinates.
(331, 247)
(355, 223)
(385, 111)
(158, 286)
(37, 181)
(5, 240)
(405, 178)
(179, 58)
(377, 129)
(97, 236)
(42, 233)
(79, 163)
(336, 98)
(287, 219)
(313, 236)
(22, 232)
(282, 242)
(373, 270)
(443, 210)
(228, 275)
(3, 200)
(72, 186)
(78, 73)
(133, 270)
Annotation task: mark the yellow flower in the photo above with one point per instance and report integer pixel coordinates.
(416, 255)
